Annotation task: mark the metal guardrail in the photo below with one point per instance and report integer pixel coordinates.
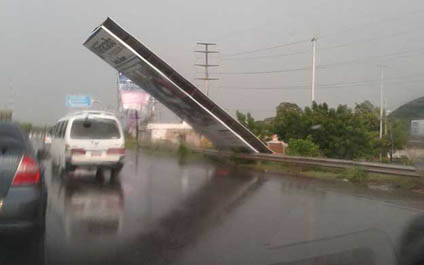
(321, 162)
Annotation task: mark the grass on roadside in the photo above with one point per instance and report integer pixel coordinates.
(402, 182)
(354, 175)
(163, 149)
(130, 143)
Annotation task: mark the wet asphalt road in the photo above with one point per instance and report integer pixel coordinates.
(163, 211)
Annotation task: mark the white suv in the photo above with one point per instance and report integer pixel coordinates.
(90, 139)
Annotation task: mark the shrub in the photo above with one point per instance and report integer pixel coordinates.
(356, 174)
(183, 150)
(303, 147)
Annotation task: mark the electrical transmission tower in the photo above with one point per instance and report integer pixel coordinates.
(206, 65)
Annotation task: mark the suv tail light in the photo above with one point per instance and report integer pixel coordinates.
(77, 151)
(28, 172)
(116, 151)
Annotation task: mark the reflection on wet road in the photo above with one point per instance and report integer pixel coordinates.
(154, 210)
(160, 211)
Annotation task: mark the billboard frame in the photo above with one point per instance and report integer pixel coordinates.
(249, 142)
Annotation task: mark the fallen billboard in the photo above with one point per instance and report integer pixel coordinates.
(129, 56)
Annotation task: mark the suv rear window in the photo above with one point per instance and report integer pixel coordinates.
(95, 129)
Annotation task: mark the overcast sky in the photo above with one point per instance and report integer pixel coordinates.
(43, 60)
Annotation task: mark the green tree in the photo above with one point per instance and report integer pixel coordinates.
(288, 122)
(303, 147)
(399, 131)
(366, 106)
(247, 120)
(339, 132)
(241, 118)
(261, 129)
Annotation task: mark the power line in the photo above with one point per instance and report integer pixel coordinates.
(269, 88)
(324, 35)
(268, 72)
(405, 53)
(323, 66)
(367, 83)
(263, 57)
(267, 48)
(355, 42)
(384, 19)
(259, 27)
(343, 45)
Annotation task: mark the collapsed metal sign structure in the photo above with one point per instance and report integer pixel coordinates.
(129, 56)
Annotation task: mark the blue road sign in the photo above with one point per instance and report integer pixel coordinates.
(78, 101)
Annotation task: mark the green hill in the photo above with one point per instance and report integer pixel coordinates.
(413, 110)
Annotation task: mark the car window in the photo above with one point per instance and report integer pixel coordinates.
(95, 129)
(57, 130)
(53, 130)
(63, 129)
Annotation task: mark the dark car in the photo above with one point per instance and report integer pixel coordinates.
(21, 189)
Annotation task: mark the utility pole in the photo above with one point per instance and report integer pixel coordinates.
(137, 129)
(388, 121)
(381, 105)
(385, 116)
(206, 65)
(153, 109)
(314, 44)
(381, 100)
(118, 94)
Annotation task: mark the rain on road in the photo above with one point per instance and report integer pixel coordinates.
(163, 211)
